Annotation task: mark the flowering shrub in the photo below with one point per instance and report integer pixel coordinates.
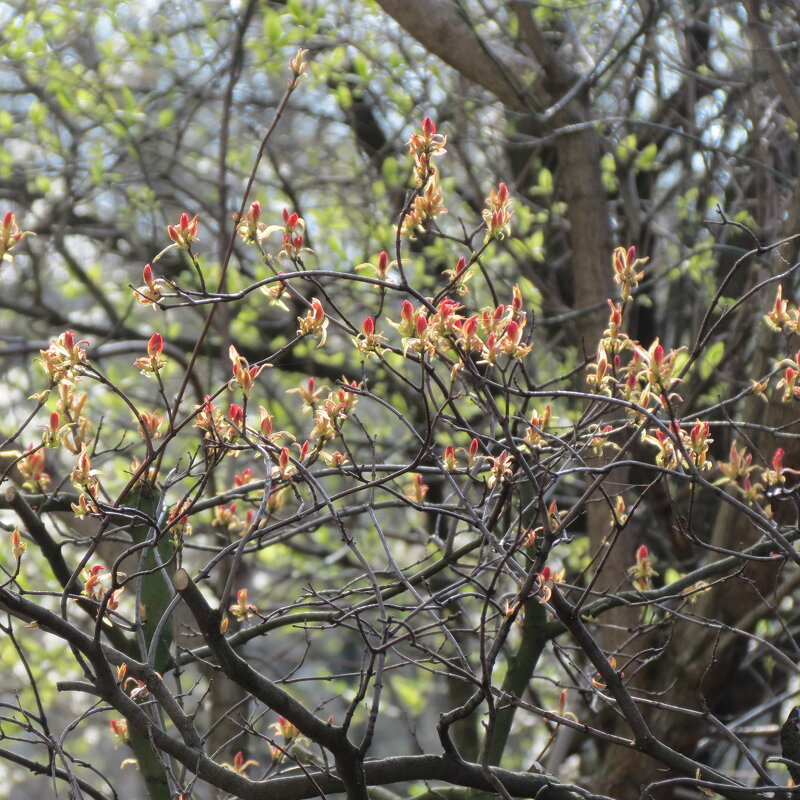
(444, 501)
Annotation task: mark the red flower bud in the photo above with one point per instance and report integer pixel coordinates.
(513, 332)
(428, 126)
(155, 345)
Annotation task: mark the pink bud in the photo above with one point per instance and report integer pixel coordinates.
(147, 274)
(407, 310)
(236, 414)
(630, 256)
(513, 332)
(8, 220)
(428, 127)
(54, 420)
(642, 553)
(69, 339)
(155, 345)
(383, 262)
(777, 460)
(422, 324)
(461, 265)
(368, 326)
(502, 193)
(184, 223)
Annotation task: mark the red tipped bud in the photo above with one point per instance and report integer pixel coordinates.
(265, 424)
(155, 345)
(658, 355)
(513, 332)
(236, 414)
(516, 299)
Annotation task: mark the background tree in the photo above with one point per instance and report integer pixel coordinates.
(442, 477)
